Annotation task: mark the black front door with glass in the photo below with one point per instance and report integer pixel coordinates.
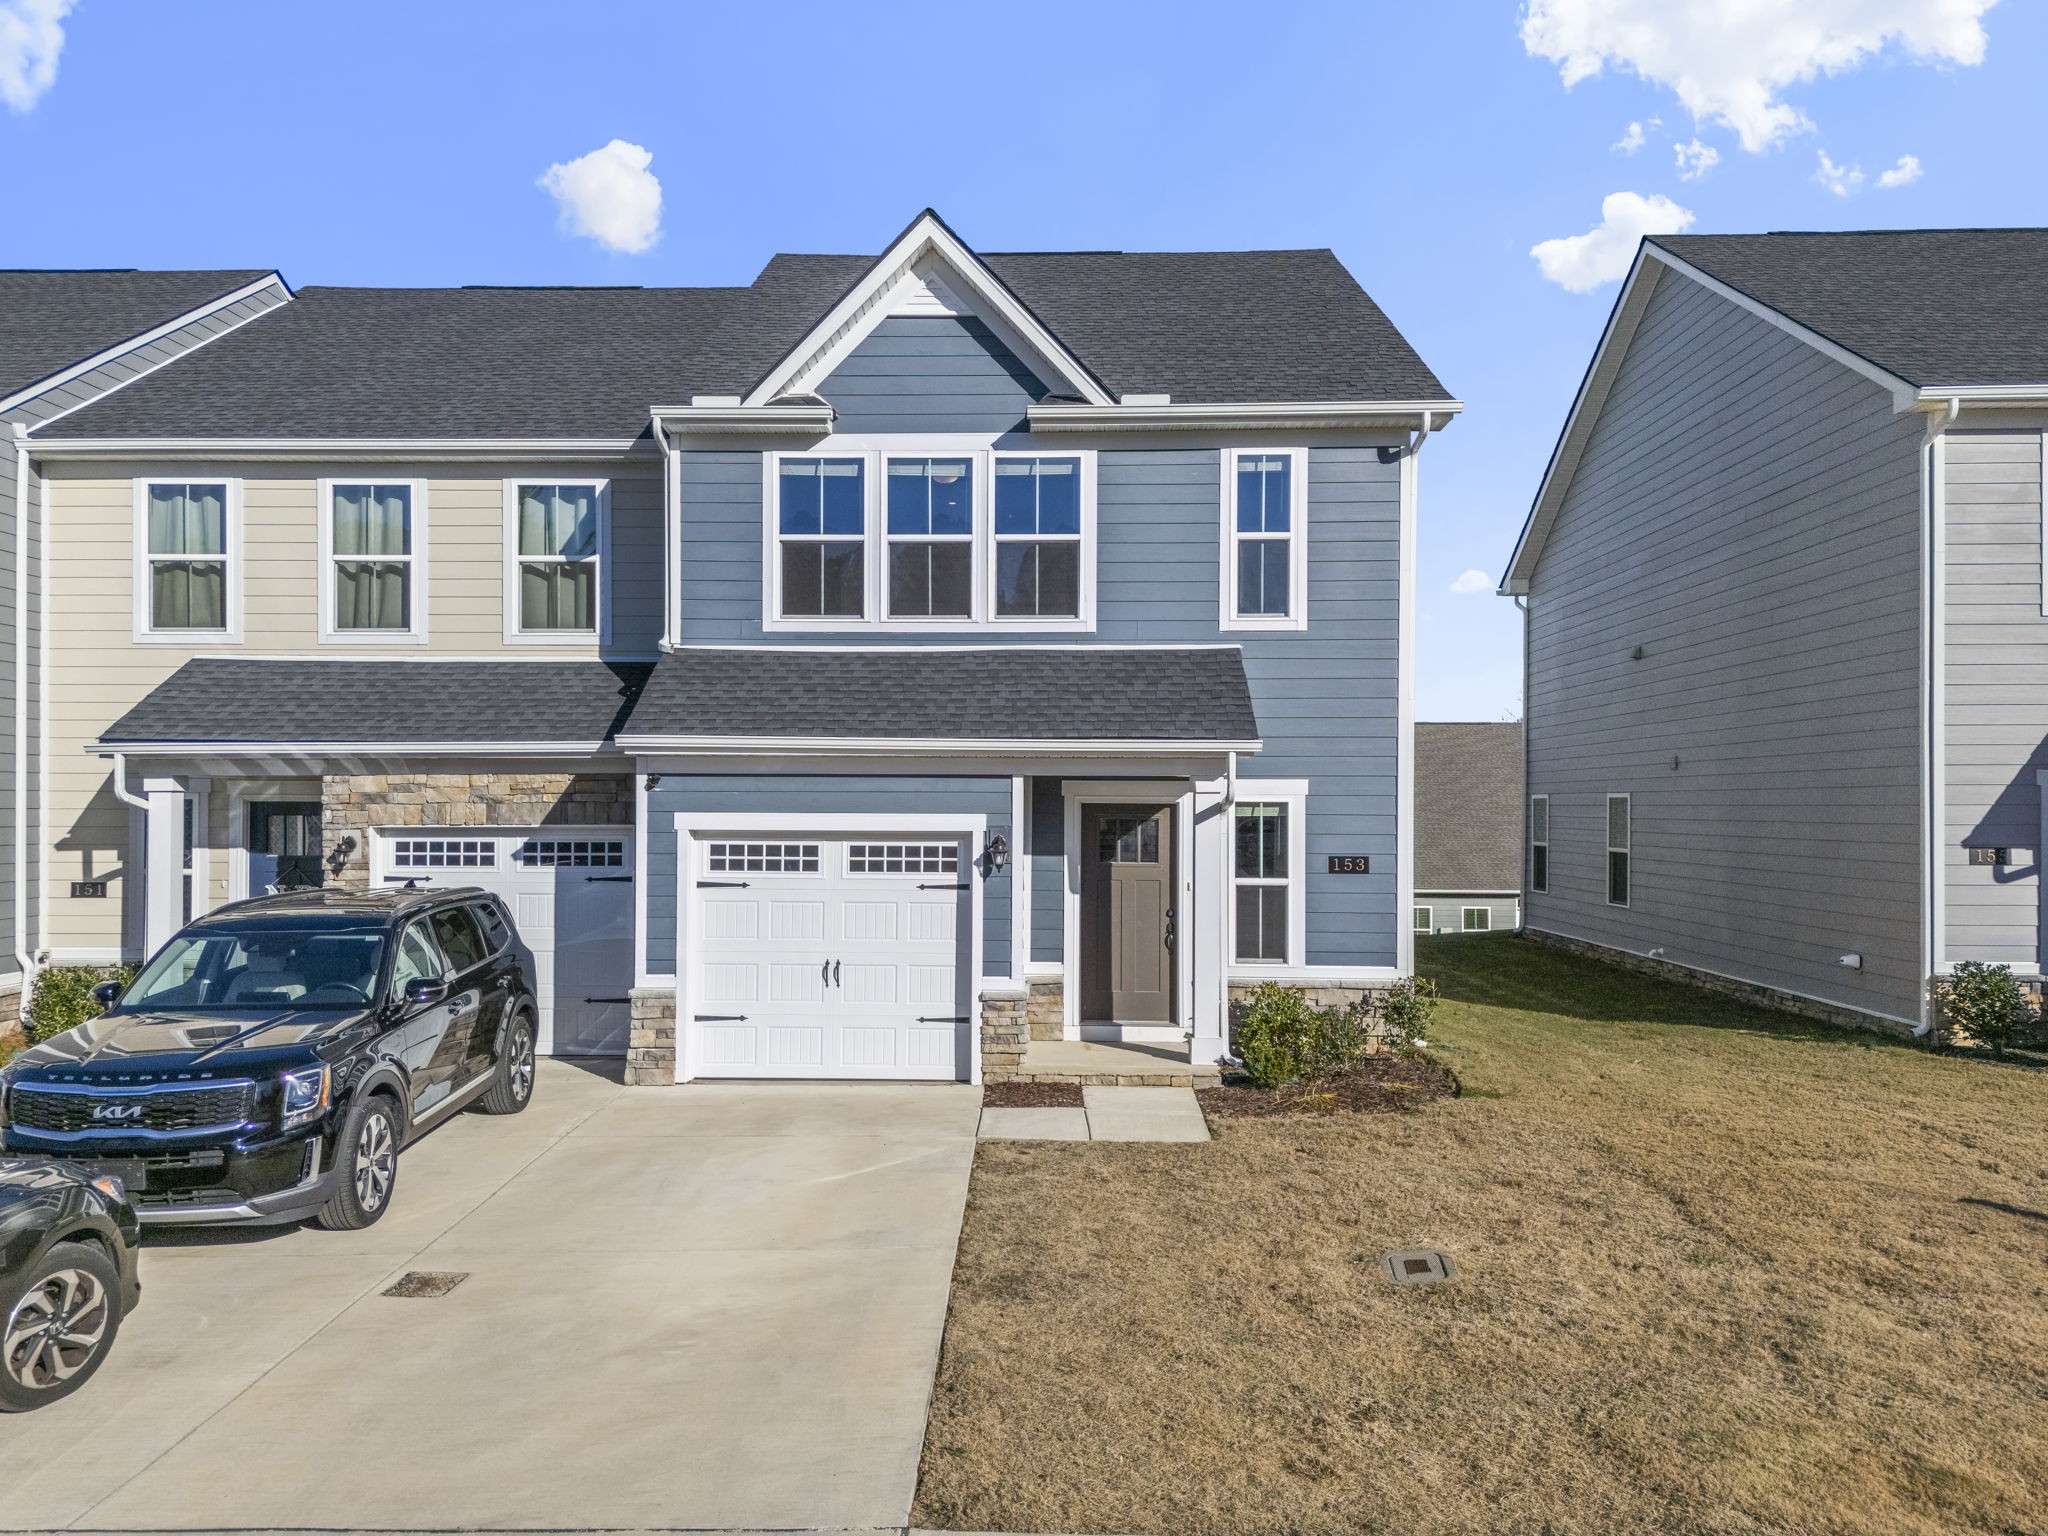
(1127, 915)
(284, 846)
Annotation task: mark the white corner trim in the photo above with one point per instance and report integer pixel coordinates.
(1296, 617)
(515, 635)
(232, 557)
(866, 305)
(415, 558)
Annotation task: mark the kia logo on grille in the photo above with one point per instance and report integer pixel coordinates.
(117, 1111)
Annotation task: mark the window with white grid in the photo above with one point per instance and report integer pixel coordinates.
(903, 859)
(572, 853)
(761, 858)
(444, 853)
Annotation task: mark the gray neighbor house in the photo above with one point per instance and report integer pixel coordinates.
(1468, 826)
(1786, 622)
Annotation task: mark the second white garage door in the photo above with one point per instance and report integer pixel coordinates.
(837, 957)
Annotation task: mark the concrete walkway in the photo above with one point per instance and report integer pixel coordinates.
(1106, 1114)
(710, 1307)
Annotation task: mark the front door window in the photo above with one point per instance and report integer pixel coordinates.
(284, 846)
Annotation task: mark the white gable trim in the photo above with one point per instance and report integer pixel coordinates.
(1650, 263)
(902, 281)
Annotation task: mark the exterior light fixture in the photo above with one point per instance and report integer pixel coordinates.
(996, 854)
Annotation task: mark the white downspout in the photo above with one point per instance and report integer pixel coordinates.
(24, 956)
(1933, 707)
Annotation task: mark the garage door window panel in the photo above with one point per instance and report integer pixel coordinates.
(763, 858)
(423, 853)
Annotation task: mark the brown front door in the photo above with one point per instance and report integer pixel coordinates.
(1127, 916)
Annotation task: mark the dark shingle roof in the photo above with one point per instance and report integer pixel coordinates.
(1933, 306)
(1468, 807)
(50, 320)
(917, 693)
(1215, 326)
(217, 699)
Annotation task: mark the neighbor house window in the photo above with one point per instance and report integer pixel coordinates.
(1539, 842)
(373, 539)
(931, 538)
(1424, 919)
(1260, 874)
(1038, 538)
(557, 533)
(821, 534)
(1478, 919)
(1265, 538)
(1617, 850)
(185, 579)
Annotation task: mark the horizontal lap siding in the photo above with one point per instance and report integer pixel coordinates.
(826, 795)
(1747, 512)
(931, 373)
(1996, 674)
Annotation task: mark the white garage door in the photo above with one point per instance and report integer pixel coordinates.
(571, 895)
(840, 956)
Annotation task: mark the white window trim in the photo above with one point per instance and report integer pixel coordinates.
(1465, 920)
(1542, 842)
(876, 540)
(1293, 794)
(514, 634)
(1428, 923)
(1297, 543)
(417, 634)
(144, 632)
(1627, 850)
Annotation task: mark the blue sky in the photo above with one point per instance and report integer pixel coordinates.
(1430, 146)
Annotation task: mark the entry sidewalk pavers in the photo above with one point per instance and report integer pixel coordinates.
(1107, 1114)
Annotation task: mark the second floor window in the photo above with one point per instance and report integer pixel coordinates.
(1265, 542)
(372, 560)
(1038, 538)
(558, 536)
(931, 538)
(821, 537)
(185, 557)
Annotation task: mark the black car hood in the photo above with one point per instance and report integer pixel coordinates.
(138, 1045)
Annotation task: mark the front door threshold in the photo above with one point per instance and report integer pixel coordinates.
(1150, 1034)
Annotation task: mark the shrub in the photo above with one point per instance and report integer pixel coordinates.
(1984, 1003)
(62, 997)
(1275, 1033)
(1339, 1038)
(1407, 1009)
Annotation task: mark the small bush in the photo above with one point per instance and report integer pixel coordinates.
(1339, 1038)
(1407, 1009)
(61, 998)
(1276, 1034)
(1984, 1003)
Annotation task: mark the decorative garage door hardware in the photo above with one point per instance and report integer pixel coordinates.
(609, 879)
(937, 1019)
(608, 1000)
(962, 886)
(722, 885)
(719, 1018)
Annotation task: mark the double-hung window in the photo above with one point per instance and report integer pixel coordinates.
(185, 560)
(931, 538)
(1539, 842)
(1266, 873)
(1424, 919)
(821, 538)
(1617, 850)
(557, 534)
(1265, 538)
(1038, 538)
(1478, 919)
(373, 535)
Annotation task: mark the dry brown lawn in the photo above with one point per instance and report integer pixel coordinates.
(1720, 1272)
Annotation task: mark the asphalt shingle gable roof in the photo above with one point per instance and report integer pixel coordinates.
(1468, 806)
(1933, 306)
(1228, 326)
(1013, 693)
(50, 320)
(538, 703)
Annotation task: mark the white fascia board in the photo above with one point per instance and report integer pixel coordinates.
(898, 746)
(394, 448)
(156, 333)
(1936, 396)
(849, 321)
(728, 419)
(346, 748)
(1300, 415)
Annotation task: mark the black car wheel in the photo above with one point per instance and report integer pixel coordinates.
(512, 1088)
(365, 1166)
(60, 1326)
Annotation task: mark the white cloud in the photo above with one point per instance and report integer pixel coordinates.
(1602, 254)
(1472, 581)
(1838, 179)
(1696, 159)
(31, 37)
(1904, 174)
(1729, 60)
(1631, 141)
(610, 196)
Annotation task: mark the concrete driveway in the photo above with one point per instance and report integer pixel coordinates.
(716, 1307)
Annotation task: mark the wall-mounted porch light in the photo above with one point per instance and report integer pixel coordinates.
(996, 854)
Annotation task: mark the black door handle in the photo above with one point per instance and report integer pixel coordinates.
(835, 973)
(1169, 927)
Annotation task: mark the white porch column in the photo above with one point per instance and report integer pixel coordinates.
(163, 838)
(1210, 930)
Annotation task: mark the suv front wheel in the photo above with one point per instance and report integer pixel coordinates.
(365, 1165)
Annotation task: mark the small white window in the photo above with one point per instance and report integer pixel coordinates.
(1539, 842)
(761, 858)
(373, 541)
(572, 853)
(931, 538)
(1265, 538)
(1039, 566)
(1478, 919)
(444, 853)
(557, 550)
(1617, 850)
(187, 561)
(903, 859)
(1425, 920)
(1266, 876)
(820, 516)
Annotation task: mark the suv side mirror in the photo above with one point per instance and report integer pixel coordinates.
(426, 990)
(107, 993)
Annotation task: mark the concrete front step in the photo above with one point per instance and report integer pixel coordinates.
(1113, 1064)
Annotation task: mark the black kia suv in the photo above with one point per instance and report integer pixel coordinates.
(272, 1059)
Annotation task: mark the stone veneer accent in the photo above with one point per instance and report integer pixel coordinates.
(1005, 1032)
(351, 804)
(651, 1045)
(1320, 997)
(1752, 992)
(1045, 1007)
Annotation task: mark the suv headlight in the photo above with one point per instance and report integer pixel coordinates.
(305, 1096)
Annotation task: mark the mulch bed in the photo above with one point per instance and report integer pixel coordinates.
(1379, 1085)
(1031, 1096)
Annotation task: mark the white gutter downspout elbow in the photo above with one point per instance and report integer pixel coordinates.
(122, 792)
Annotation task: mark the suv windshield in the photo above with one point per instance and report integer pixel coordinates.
(263, 968)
